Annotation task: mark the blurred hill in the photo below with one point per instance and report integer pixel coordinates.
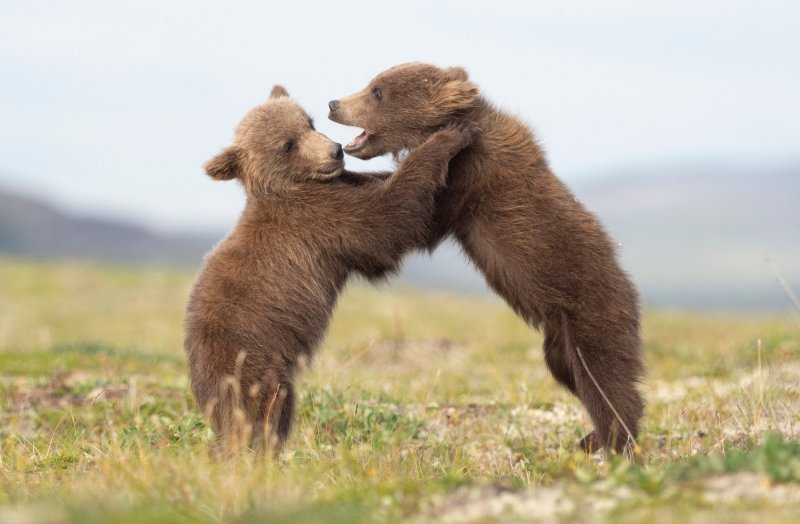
(33, 228)
(691, 236)
(705, 237)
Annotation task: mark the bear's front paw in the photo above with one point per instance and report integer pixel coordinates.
(462, 131)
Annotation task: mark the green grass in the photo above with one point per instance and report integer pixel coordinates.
(420, 407)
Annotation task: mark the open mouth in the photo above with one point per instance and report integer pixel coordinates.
(357, 143)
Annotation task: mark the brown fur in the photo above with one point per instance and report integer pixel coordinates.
(537, 245)
(264, 297)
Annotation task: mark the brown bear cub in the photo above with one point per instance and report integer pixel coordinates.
(263, 299)
(537, 246)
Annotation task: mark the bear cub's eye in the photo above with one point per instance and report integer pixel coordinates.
(377, 93)
(288, 146)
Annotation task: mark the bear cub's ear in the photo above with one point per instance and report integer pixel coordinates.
(278, 91)
(457, 96)
(224, 166)
(455, 92)
(456, 73)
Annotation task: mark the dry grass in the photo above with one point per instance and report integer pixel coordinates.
(420, 407)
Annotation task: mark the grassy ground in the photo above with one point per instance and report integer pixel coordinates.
(420, 407)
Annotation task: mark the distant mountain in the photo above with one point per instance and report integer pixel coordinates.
(690, 236)
(705, 237)
(32, 228)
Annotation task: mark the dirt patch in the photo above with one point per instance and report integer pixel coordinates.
(66, 389)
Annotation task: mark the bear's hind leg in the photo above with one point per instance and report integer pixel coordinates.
(607, 371)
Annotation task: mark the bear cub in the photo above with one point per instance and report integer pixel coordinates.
(264, 296)
(535, 243)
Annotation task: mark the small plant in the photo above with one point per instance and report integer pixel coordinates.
(776, 458)
(339, 422)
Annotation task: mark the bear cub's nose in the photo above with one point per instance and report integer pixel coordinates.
(336, 152)
(333, 105)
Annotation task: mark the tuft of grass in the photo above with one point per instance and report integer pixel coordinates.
(777, 458)
(376, 423)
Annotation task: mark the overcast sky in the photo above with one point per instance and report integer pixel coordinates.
(113, 109)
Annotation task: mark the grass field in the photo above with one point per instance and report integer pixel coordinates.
(420, 407)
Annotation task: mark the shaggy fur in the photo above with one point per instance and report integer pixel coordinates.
(535, 243)
(264, 297)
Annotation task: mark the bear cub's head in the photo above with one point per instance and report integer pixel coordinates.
(402, 106)
(275, 146)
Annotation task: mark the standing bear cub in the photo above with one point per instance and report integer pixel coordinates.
(537, 246)
(264, 297)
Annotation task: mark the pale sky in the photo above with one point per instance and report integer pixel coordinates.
(112, 109)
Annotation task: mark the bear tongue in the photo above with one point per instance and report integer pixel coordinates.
(357, 141)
